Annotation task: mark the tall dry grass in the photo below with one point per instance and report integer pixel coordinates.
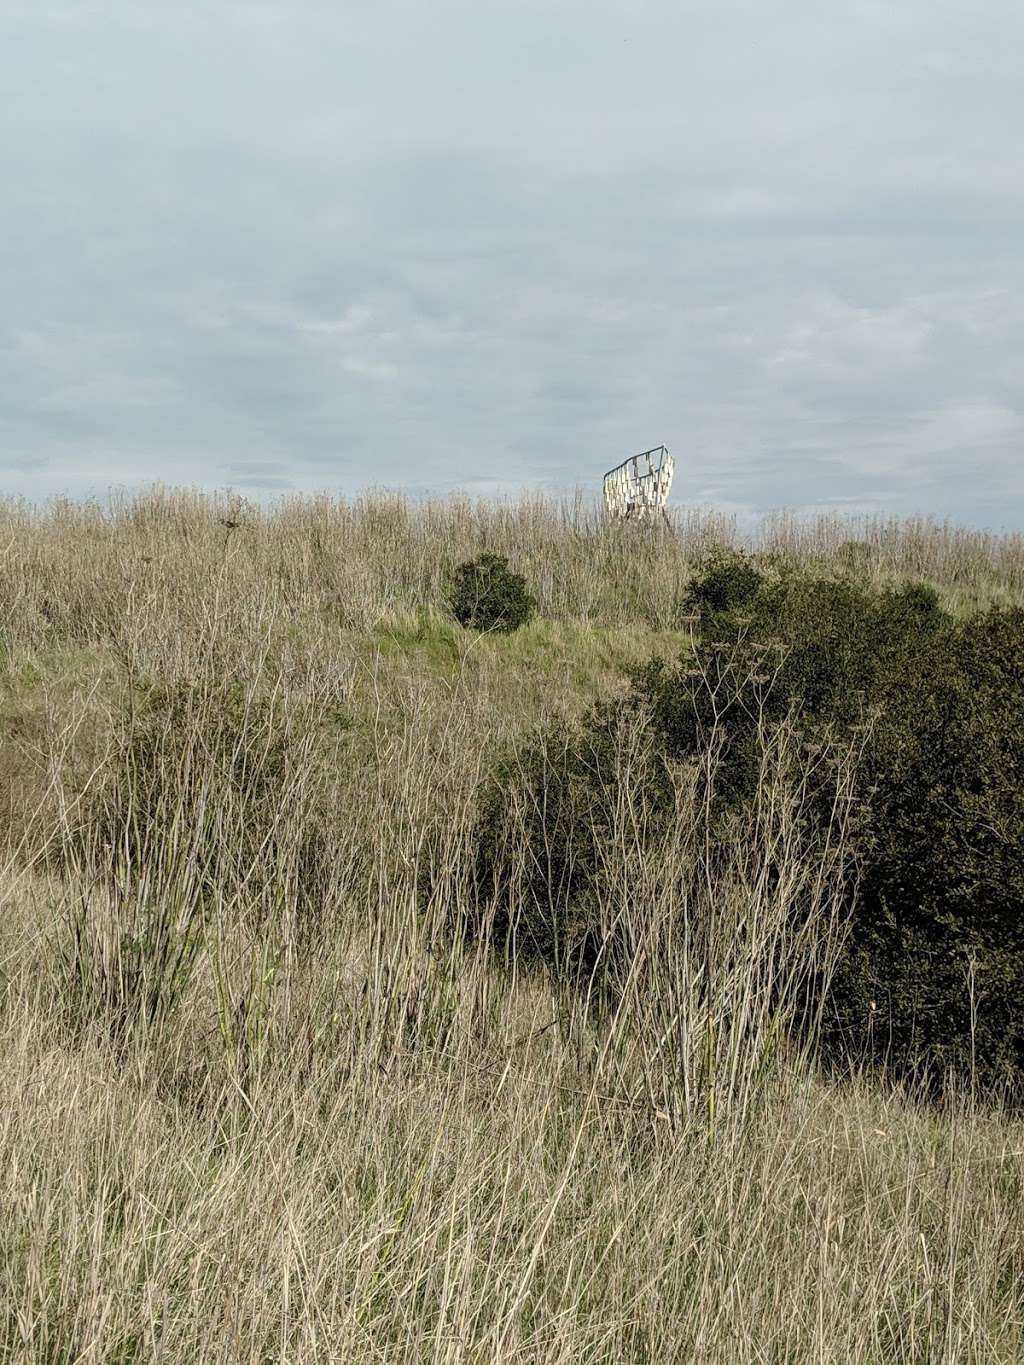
(170, 577)
(261, 1103)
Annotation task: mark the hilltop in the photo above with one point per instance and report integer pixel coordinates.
(273, 1089)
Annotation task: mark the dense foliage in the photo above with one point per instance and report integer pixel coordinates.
(486, 595)
(931, 976)
(724, 583)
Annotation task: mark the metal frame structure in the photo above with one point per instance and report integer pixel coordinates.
(639, 486)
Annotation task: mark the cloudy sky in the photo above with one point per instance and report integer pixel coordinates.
(497, 244)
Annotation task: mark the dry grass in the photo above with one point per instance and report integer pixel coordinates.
(256, 1104)
(165, 580)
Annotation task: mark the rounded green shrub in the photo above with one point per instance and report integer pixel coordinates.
(486, 595)
(724, 582)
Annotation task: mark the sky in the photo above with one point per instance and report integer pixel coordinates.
(493, 245)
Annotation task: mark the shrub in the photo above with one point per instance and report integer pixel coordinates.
(934, 963)
(724, 582)
(926, 982)
(932, 973)
(544, 822)
(486, 595)
(609, 864)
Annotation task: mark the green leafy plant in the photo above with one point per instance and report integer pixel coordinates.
(724, 583)
(930, 980)
(487, 596)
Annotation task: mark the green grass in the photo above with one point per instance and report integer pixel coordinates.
(544, 663)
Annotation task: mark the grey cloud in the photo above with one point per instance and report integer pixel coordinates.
(263, 483)
(511, 243)
(257, 468)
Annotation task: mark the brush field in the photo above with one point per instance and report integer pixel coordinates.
(263, 1102)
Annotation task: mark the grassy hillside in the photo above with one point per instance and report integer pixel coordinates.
(263, 1101)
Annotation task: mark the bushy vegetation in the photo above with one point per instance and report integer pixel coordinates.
(934, 708)
(724, 583)
(928, 710)
(487, 595)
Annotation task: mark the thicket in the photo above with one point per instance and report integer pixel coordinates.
(929, 709)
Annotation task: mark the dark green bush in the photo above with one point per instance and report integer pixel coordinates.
(932, 976)
(549, 802)
(724, 582)
(487, 595)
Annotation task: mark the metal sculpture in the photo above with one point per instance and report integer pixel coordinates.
(638, 487)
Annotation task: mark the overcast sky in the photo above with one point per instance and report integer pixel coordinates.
(497, 244)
